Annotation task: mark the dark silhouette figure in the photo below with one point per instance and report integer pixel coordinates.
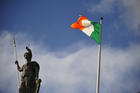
(30, 83)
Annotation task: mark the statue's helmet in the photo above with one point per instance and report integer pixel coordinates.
(28, 56)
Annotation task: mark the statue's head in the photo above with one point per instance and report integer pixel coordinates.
(28, 56)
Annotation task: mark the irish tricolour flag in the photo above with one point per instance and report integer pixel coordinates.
(92, 29)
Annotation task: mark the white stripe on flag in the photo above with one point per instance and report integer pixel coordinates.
(88, 30)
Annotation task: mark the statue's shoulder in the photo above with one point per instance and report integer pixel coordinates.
(35, 64)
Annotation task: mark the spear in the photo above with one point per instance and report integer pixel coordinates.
(15, 52)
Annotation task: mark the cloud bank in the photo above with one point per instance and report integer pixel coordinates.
(72, 72)
(128, 9)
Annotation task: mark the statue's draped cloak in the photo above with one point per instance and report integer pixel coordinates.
(29, 77)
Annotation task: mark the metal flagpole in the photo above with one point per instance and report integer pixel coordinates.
(16, 60)
(99, 60)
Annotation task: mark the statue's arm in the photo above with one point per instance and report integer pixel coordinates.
(18, 67)
(36, 65)
(37, 73)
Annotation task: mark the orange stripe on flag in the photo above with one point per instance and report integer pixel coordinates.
(82, 18)
(78, 24)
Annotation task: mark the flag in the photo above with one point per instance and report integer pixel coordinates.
(92, 29)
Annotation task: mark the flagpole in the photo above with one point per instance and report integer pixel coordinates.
(16, 60)
(99, 60)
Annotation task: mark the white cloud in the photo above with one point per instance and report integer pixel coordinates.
(76, 71)
(105, 6)
(129, 11)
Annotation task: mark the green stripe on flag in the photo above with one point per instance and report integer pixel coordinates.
(97, 30)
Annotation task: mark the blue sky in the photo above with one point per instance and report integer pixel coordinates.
(67, 53)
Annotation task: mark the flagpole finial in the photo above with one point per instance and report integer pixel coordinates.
(101, 18)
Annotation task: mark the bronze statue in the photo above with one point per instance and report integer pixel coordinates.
(30, 83)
